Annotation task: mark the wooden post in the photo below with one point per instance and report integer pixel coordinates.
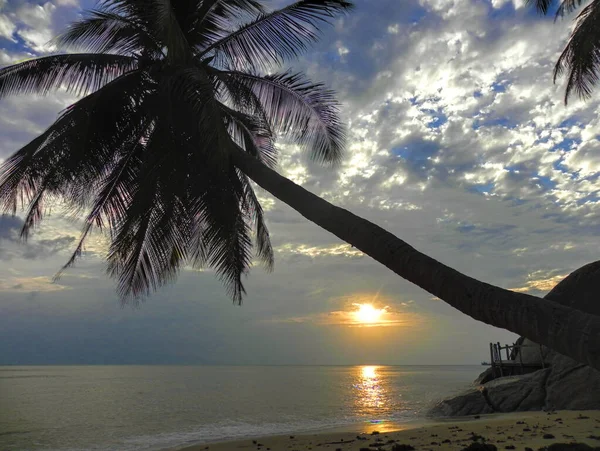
(507, 353)
(499, 349)
(492, 360)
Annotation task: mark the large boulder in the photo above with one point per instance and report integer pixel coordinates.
(564, 384)
(517, 393)
(506, 394)
(469, 402)
(572, 385)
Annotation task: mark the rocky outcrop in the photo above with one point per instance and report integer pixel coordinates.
(572, 385)
(486, 376)
(564, 384)
(506, 394)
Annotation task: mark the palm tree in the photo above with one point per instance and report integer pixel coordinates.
(580, 59)
(172, 89)
(179, 118)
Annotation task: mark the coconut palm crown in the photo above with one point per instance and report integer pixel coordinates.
(580, 59)
(169, 88)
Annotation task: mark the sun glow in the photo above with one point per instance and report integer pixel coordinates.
(367, 314)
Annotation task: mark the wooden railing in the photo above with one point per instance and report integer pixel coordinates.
(514, 359)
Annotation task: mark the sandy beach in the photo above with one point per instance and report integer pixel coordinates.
(514, 431)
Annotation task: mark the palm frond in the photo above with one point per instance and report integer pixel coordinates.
(214, 17)
(108, 32)
(111, 200)
(111, 194)
(567, 7)
(172, 36)
(34, 212)
(542, 6)
(226, 233)
(157, 226)
(251, 136)
(264, 249)
(246, 108)
(275, 37)
(136, 10)
(72, 155)
(15, 181)
(137, 251)
(77, 73)
(305, 111)
(225, 10)
(581, 56)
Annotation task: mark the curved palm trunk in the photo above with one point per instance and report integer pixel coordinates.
(568, 331)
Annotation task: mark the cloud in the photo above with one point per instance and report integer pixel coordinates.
(9, 225)
(340, 250)
(386, 311)
(38, 284)
(541, 282)
(7, 27)
(11, 245)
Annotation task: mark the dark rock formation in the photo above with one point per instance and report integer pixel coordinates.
(506, 394)
(564, 384)
(486, 376)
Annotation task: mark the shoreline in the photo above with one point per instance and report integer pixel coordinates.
(504, 430)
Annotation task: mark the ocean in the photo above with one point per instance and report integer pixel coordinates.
(167, 407)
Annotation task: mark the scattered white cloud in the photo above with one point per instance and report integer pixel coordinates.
(40, 284)
(540, 282)
(341, 250)
(7, 27)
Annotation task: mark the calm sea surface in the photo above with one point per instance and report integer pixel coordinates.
(162, 407)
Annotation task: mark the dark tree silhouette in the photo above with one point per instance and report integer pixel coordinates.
(580, 59)
(171, 88)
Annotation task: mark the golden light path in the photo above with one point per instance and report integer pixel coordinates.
(371, 397)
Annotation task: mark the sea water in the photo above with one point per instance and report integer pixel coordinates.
(166, 407)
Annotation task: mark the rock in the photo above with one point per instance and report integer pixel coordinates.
(398, 447)
(484, 377)
(480, 447)
(568, 447)
(559, 386)
(507, 394)
(517, 393)
(470, 402)
(566, 382)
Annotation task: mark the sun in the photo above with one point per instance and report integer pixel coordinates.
(367, 314)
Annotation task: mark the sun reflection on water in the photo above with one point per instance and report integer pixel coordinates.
(371, 397)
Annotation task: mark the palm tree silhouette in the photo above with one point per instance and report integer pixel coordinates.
(580, 59)
(173, 88)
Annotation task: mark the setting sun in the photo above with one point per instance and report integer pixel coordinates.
(367, 314)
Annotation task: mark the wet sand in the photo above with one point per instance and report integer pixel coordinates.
(514, 431)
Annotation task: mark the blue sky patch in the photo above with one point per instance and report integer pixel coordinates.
(499, 86)
(481, 188)
(494, 122)
(544, 182)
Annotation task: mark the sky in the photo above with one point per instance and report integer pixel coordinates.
(459, 143)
